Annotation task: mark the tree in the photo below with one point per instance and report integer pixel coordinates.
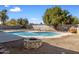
(3, 16)
(75, 20)
(55, 16)
(64, 16)
(12, 22)
(23, 22)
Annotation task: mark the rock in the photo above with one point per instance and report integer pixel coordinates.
(72, 30)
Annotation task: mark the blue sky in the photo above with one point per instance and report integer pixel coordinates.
(34, 13)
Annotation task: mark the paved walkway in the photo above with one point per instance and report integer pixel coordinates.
(4, 37)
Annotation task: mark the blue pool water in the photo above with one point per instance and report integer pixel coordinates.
(34, 33)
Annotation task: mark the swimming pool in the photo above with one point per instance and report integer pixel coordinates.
(34, 33)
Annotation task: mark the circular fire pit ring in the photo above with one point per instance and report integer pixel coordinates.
(32, 43)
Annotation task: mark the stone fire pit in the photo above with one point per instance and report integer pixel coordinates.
(32, 43)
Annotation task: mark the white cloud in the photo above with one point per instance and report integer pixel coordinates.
(15, 9)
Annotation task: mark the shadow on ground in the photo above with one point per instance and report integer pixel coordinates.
(44, 49)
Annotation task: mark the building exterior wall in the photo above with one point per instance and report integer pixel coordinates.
(42, 27)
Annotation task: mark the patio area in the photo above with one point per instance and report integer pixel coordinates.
(64, 45)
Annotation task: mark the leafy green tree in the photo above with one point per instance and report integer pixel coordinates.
(12, 22)
(23, 22)
(75, 20)
(55, 16)
(64, 16)
(3, 16)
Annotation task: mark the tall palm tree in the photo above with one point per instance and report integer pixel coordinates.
(3, 16)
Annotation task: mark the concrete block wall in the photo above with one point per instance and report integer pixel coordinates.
(42, 27)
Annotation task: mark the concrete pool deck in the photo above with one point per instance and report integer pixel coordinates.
(4, 37)
(64, 45)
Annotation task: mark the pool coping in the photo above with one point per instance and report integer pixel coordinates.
(56, 36)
